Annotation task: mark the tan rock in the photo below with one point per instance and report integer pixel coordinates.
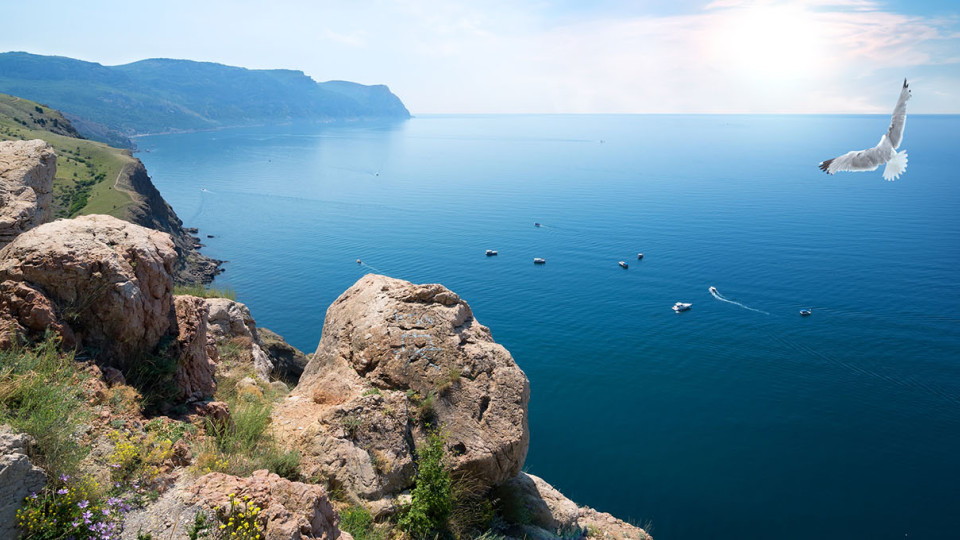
(229, 319)
(110, 279)
(553, 515)
(26, 312)
(18, 478)
(27, 169)
(384, 340)
(195, 372)
(548, 508)
(289, 510)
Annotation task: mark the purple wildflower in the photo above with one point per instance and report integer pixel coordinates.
(33, 494)
(86, 516)
(106, 511)
(63, 491)
(83, 504)
(75, 524)
(113, 501)
(64, 478)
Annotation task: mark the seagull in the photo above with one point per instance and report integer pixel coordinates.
(884, 152)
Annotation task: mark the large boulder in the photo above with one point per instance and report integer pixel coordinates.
(110, 281)
(27, 169)
(288, 510)
(394, 359)
(18, 478)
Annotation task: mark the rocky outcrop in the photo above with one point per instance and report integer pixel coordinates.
(195, 371)
(394, 358)
(18, 478)
(108, 280)
(288, 510)
(229, 319)
(152, 211)
(288, 361)
(551, 514)
(27, 169)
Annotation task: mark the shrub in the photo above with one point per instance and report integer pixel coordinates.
(240, 520)
(471, 510)
(40, 394)
(427, 513)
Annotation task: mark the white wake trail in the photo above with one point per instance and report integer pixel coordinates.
(718, 296)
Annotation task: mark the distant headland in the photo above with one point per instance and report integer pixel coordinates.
(114, 103)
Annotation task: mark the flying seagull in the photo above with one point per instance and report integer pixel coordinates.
(884, 152)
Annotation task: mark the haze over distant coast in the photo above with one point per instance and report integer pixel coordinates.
(113, 103)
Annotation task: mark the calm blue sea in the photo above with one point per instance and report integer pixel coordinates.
(731, 421)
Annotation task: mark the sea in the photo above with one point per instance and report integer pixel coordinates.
(738, 419)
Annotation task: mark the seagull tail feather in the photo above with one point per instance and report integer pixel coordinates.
(896, 166)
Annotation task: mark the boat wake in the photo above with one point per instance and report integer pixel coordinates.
(374, 269)
(716, 294)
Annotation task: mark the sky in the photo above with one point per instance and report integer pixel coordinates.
(542, 56)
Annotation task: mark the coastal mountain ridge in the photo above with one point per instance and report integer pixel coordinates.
(113, 103)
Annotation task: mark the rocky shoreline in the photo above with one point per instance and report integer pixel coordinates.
(399, 367)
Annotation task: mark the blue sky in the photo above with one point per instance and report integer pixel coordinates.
(543, 56)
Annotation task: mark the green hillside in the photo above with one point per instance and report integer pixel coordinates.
(111, 103)
(86, 170)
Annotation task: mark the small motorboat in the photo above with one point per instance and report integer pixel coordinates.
(713, 290)
(639, 256)
(680, 306)
(359, 261)
(538, 260)
(491, 252)
(806, 312)
(536, 224)
(623, 265)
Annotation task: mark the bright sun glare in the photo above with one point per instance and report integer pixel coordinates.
(770, 42)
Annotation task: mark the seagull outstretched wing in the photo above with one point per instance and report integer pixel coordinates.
(883, 152)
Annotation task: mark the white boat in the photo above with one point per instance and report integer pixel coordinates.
(680, 306)
(639, 256)
(713, 290)
(623, 265)
(806, 312)
(538, 260)
(359, 261)
(536, 224)
(491, 252)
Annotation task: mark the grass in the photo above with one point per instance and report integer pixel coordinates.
(40, 394)
(244, 444)
(203, 291)
(86, 170)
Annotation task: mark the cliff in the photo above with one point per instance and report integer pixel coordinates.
(112, 103)
(177, 404)
(152, 211)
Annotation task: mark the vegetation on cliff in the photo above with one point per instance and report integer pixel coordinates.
(87, 171)
(110, 103)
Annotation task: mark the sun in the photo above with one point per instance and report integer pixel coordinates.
(770, 42)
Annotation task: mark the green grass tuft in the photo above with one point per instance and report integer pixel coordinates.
(40, 394)
(202, 291)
